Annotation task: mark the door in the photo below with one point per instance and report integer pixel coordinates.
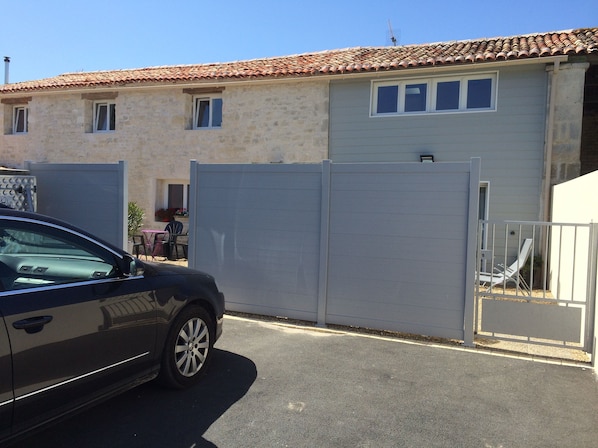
(77, 327)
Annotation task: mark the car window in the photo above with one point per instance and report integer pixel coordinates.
(36, 255)
(27, 242)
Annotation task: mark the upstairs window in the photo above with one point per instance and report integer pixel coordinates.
(207, 112)
(434, 95)
(479, 93)
(416, 96)
(387, 100)
(104, 117)
(20, 120)
(447, 95)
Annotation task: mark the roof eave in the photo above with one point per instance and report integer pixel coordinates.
(315, 76)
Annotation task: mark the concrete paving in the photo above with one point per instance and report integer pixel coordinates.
(274, 385)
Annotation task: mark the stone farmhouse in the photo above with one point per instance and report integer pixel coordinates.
(527, 105)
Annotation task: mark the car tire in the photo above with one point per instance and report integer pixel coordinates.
(188, 348)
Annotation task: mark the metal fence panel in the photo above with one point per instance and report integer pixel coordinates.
(377, 245)
(91, 196)
(398, 247)
(257, 228)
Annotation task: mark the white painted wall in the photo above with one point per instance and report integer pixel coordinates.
(573, 202)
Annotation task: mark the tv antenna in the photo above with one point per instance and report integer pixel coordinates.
(393, 39)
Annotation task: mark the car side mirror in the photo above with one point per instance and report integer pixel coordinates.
(131, 267)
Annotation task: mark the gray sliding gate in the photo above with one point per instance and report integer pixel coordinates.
(386, 246)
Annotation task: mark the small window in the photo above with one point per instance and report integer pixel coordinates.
(207, 112)
(104, 117)
(173, 195)
(176, 196)
(388, 99)
(479, 93)
(447, 95)
(20, 120)
(415, 97)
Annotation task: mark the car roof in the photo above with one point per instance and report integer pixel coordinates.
(33, 215)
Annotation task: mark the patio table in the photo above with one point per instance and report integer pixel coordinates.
(154, 242)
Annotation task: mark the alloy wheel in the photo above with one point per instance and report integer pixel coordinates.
(192, 346)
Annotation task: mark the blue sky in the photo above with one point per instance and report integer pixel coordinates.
(49, 37)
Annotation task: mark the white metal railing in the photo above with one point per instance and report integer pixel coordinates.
(523, 267)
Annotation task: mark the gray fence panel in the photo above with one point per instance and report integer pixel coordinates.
(378, 245)
(398, 240)
(256, 227)
(91, 196)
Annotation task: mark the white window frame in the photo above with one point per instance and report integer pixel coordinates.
(196, 110)
(15, 119)
(110, 106)
(431, 94)
(402, 89)
(462, 96)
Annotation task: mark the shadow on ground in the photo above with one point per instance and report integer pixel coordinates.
(150, 416)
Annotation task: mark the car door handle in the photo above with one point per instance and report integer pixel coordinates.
(33, 324)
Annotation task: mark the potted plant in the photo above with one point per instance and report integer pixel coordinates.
(135, 218)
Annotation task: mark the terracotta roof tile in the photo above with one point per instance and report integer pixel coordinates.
(351, 60)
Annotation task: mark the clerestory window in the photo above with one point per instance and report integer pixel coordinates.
(465, 93)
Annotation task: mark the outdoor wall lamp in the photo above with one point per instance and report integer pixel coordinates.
(426, 158)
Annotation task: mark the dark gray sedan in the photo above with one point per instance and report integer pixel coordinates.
(81, 320)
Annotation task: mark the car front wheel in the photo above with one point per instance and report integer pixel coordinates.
(188, 348)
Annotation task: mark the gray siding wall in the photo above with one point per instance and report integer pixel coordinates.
(383, 246)
(510, 140)
(90, 196)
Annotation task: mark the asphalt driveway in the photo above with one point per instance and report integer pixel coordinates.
(273, 385)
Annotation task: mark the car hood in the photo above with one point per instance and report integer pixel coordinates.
(164, 269)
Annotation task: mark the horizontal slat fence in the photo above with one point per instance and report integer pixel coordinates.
(382, 246)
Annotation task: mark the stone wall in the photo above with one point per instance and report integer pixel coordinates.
(589, 139)
(567, 126)
(262, 123)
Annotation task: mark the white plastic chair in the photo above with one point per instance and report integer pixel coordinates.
(503, 275)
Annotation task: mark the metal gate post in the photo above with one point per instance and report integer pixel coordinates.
(470, 263)
(324, 240)
(591, 309)
(123, 186)
(193, 206)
